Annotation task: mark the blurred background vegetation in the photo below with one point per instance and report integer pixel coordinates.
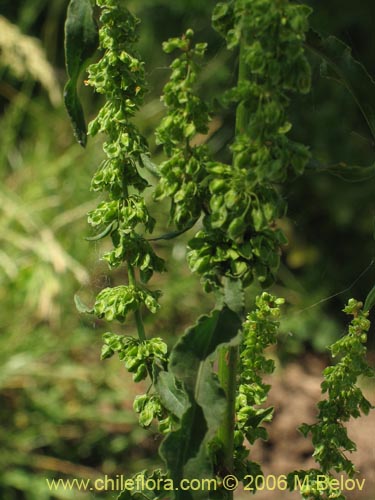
(63, 412)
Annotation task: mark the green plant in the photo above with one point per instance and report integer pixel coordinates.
(345, 400)
(205, 414)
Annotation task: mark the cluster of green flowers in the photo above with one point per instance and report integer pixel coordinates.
(345, 400)
(116, 302)
(259, 332)
(183, 174)
(150, 408)
(239, 238)
(139, 356)
(119, 76)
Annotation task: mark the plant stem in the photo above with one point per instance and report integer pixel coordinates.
(228, 360)
(228, 357)
(241, 118)
(137, 313)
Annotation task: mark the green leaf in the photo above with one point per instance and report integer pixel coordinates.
(211, 398)
(185, 451)
(370, 300)
(348, 71)
(260, 416)
(200, 341)
(180, 446)
(103, 234)
(150, 166)
(174, 234)
(349, 173)
(234, 296)
(81, 307)
(81, 41)
(173, 398)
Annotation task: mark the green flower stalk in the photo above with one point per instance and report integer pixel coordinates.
(240, 202)
(119, 76)
(183, 176)
(239, 239)
(259, 332)
(345, 400)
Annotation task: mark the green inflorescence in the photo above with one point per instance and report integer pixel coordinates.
(239, 238)
(119, 76)
(345, 400)
(259, 332)
(141, 358)
(183, 176)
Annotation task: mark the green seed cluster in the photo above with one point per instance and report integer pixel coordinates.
(273, 64)
(117, 302)
(259, 332)
(345, 398)
(183, 174)
(129, 211)
(150, 408)
(316, 486)
(239, 239)
(119, 76)
(138, 356)
(141, 358)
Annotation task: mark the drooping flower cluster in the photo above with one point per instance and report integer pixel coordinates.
(345, 400)
(183, 176)
(119, 76)
(141, 358)
(239, 238)
(259, 332)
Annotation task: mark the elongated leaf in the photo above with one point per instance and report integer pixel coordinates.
(349, 173)
(103, 234)
(370, 300)
(150, 166)
(173, 398)
(81, 41)
(184, 444)
(211, 398)
(262, 415)
(81, 307)
(234, 295)
(346, 69)
(174, 234)
(185, 451)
